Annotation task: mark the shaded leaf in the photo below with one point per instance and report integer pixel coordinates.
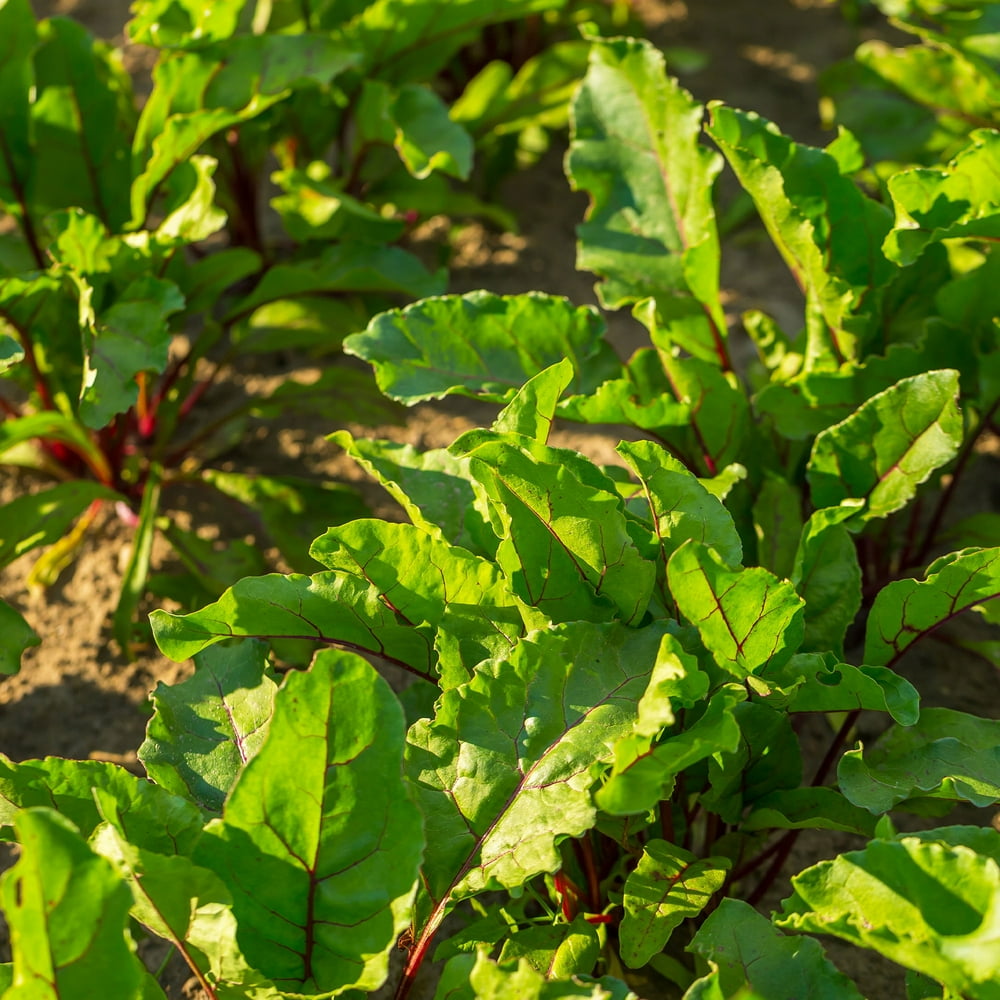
(816, 808)
(748, 952)
(17, 635)
(205, 729)
(777, 520)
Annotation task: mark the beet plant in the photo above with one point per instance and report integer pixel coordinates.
(599, 766)
(256, 201)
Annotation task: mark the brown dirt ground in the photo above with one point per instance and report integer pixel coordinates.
(76, 696)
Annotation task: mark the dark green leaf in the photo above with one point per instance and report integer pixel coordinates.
(817, 808)
(17, 635)
(747, 951)
(777, 519)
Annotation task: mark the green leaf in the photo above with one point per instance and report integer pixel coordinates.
(650, 229)
(944, 755)
(827, 231)
(818, 682)
(557, 951)
(434, 487)
(18, 38)
(178, 23)
(958, 200)
(827, 575)
(668, 886)
(190, 213)
(43, 518)
(350, 267)
(81, 129)
(777, 521)
(17, 635)
(67, 910)
(187, 906)
(205, 729)
(532, 409)
(319, 840)
(51, 425)
(326, 608)
(907, 610)
(504, 770)
(564, 542)
(814, 808)
(889, 446)
(468, 977)
(132, 336)
(747, 951)
(926, 905)
(426, 581)
(644, 774)
(747, 618)
(426, 137)
(151, 816)
(482, 345)
(680, 506)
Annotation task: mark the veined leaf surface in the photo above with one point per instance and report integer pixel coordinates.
(319, 840)
(747, 617)
(907, 610)
(889, 446)
(504, 770)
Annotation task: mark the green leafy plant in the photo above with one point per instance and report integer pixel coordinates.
(137, 261)
(612, 665)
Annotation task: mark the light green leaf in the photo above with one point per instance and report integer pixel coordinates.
(190, 213)
(67, 909)
(944, 755)
(556, 951)
(132, 336)
(319, 841)
(504, 770)
(827, 575)
(434, 487)
(644, 773)
(482, 345)
(565, 545)
(679, 506)
(669, 885)
(650, 229)
(749, 953)
(151, 816)
(179, 23)
(426, 581)
(426, 137)
(746, 617)
(907, 610)
(43, 518)
(957, 200)
(17, 635)
(928, 906)
(531, 411)
(827, 231)
(185, 905)
(889, 446)
(205, 729)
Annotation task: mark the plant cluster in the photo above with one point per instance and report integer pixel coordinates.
(611, 665)
(138, 261)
